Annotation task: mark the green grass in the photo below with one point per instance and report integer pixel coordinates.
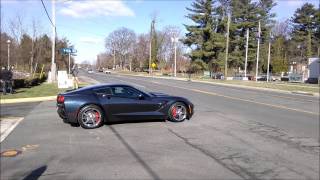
(44, 89)
(272, 85)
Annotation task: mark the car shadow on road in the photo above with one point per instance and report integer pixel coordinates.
(135, 154)
(131, 122)
(35, 174)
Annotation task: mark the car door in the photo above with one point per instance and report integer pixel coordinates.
(127, 103)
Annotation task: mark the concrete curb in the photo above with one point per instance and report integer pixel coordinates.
(230, 85)
(23, 100)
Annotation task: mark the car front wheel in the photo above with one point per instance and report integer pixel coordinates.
(177, 112)
(90, 117)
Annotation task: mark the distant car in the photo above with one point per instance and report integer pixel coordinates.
(90, 71)
(107, 71)
(91, 106)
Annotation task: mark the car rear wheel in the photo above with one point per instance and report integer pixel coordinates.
(90, 117)
(177, 112)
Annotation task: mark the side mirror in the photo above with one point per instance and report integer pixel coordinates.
(141, 97)
(106, 95)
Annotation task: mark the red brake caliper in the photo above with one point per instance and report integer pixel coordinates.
(97, 117)
(174, 112)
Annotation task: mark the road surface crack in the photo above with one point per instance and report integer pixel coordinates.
(238, 170)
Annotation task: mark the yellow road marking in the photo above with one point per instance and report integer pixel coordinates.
(251, 101)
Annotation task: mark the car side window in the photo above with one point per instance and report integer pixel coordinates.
(123, 91)
(106, 90)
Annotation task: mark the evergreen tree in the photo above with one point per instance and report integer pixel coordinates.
(154, 43)
(201, 36)
(245, 15)
(305, 22)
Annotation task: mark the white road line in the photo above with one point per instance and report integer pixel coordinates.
(7, 126)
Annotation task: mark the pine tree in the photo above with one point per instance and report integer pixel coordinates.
(245, 15)
(154, 43)
(201, 37)
(305, 23)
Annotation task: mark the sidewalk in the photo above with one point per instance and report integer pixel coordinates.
(225, 84)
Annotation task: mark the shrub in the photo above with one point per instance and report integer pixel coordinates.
(19, 83)
(22, 83)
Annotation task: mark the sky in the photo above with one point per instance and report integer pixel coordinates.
(86, 23)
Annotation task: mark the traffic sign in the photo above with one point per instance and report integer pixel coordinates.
(153, 65)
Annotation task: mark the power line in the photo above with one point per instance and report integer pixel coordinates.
(44, 6)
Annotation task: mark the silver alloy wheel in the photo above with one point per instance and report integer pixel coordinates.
(179, 112)
(91, 117)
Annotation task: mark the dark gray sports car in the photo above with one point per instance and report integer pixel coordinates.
(91, 106)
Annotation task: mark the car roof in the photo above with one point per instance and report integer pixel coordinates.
(102, 85)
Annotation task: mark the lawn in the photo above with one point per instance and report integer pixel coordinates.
(42, 90)
(310, 88)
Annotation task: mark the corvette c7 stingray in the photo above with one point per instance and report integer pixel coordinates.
(91, 106)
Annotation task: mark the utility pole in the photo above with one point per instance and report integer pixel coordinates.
(257, 64)
(8, 42)
(174, 41)
(150, 56)
(31, 60)
(69, 62)
(227, 49)
(175, 59)
(246, 61)
(270, 38)
(114, 59)
(150, 46)
(53, 65)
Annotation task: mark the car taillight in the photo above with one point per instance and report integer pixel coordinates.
(60, 99)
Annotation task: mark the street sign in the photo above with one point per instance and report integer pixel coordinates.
(67, 50)
(153, 65)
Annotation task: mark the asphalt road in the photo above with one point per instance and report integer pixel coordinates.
(234, 134)
(16, 109)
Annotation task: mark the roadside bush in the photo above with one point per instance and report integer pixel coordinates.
(32, 82)
(19, 83)
(29, 82)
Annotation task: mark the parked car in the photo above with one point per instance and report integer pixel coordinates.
(90, 71)
(107, 71)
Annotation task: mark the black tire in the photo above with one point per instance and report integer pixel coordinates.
(65, 120)
(171, 116)
(96, 120)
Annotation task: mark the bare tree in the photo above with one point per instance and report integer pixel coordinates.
(122, 41)
(141, 52)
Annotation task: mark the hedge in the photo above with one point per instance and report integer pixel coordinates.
(28, 82)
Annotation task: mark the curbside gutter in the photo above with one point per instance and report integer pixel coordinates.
(230, 85)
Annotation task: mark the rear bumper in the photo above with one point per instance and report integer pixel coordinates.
(67, 116)
(61, 112)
